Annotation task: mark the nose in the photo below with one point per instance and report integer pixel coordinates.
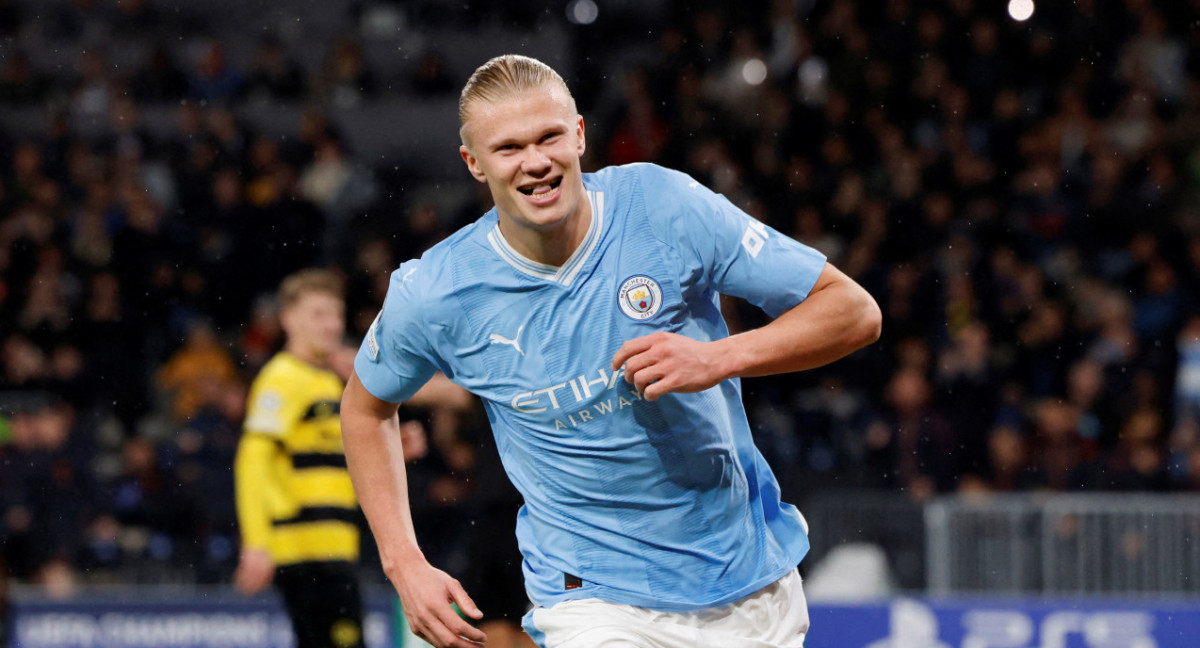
(535, 162)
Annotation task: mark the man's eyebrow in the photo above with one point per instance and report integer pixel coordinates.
(499, 144)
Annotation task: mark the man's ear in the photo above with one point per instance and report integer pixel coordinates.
(472, 163)
(285, 320)
(582, 146)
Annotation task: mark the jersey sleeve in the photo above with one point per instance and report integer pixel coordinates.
(252, 470)
(729, 250)
(395, 358)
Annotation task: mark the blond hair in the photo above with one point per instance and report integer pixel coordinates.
(503, 77)
(312, 280)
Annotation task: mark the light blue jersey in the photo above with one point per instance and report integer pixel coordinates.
(666, 504)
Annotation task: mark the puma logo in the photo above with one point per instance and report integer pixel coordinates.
(496, 338)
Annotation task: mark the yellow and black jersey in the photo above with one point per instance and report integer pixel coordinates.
(294, 496)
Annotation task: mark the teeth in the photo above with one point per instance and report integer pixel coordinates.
(538, 190)
(541, 189)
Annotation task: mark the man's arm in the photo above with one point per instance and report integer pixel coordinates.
(252, 472)
(375, 459)
(837, 318)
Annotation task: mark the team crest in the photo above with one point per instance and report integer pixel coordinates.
(640, 297)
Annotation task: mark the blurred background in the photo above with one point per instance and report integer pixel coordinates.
(1018, 185)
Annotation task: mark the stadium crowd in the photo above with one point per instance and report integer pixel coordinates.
(1020, 197)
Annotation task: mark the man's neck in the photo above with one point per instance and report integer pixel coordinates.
(551, 247)
(307, 356)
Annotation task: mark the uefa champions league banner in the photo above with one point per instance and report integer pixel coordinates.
(1006, 623)
(225, 621)
(196, 621)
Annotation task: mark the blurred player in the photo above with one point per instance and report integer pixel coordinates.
(296, 506)
(583, 310)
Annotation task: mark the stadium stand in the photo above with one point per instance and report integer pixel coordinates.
(1020, 197)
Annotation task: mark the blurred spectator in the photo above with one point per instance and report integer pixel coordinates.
(1161, 306)
(160, 79)
(430, 78)
(194, 376)
(1057, 449)
(345, 80)
(54, 492)
(129, 139)
(1136, 463)
(423, 228)
(225, 233)
(921, 440)
(340, 187)
(214, 81)
(262, 336)
(162, 518)
(288, 231)
(1187, 377)
(134, 18)
(969, 384)
(272, 76)
(1155, 56)
(20, 84)
(94, 90)
(57, 578)
(1009, 465)
(78, 21)
(640, 134)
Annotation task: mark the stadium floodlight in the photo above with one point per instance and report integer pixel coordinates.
(583, 12)
(754, 71)
(1020, 10)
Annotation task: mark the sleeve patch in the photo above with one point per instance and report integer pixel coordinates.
(372, 342)
(266, 413)
(269, 401)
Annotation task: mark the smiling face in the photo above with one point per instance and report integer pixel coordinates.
(526, 146)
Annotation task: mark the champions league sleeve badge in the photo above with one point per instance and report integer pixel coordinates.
(372, 343)
(640, 297)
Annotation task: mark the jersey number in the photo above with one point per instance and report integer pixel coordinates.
(754, 238)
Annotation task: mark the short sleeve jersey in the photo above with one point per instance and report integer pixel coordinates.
(663, 504)
(311, 503)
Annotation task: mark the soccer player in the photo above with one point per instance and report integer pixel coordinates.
(583, 310)
(296, 505)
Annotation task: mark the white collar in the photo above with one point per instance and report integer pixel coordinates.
(566, 273)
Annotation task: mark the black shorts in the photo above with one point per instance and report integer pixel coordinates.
(324, 603)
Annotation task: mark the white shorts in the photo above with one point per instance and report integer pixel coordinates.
(775, 616)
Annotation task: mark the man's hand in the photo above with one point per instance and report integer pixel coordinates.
(255, 571)
(661, 363)
(426, 594)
